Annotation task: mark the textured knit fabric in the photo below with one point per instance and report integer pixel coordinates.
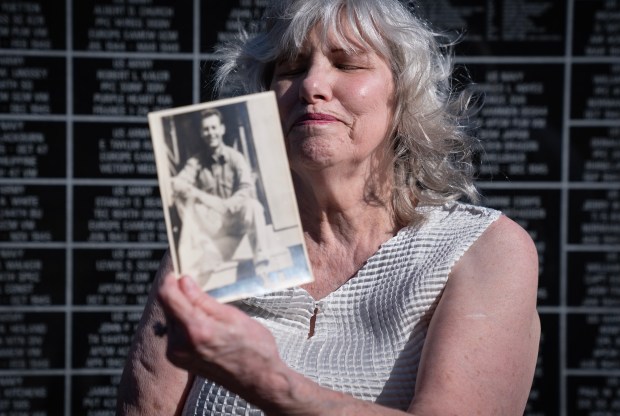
(369, 333)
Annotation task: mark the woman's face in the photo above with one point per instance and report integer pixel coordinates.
(335, 106)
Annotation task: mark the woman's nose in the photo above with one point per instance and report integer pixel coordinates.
(315, 84)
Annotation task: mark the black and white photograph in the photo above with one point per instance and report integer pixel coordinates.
(227, 195)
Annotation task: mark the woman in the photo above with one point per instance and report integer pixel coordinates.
(420, 304)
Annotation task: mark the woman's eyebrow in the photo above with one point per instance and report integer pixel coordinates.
(352, 50)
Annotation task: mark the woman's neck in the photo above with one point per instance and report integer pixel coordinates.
(343, 206)
(345, 222)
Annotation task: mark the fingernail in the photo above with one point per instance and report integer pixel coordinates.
(188, 283)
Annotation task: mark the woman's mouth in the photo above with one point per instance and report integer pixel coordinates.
(314, 118)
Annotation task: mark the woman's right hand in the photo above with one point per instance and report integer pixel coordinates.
(220, 342)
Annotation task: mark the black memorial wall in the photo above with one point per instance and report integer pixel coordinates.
(81, 222)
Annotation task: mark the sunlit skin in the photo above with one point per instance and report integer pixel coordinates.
(335, 106)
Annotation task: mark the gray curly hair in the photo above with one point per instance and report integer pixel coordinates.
(432, 147)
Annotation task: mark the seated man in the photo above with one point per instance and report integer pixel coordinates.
(215, 195)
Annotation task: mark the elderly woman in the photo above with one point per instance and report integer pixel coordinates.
(420, 304)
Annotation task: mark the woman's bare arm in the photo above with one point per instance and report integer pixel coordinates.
(480, 352)
(150, 384)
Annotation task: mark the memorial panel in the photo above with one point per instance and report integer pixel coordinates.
(130, 87)
(596, 29)
(226, 19)
(593, 341)
(595, 154)
(32, 149)
(33, 85)
(113, 150)
(32, 277)
(32, 341)
(101, 340)
(594, 279)
(593, 395)
(32, 395)
(502, 27)
(32, 213)
(94, 395)
(34, 24)
(595, 91)
(147, 26)
(520, 122)
(594, 217)
(119, 214)
(123, 276)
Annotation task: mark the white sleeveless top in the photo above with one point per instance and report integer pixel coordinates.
(368, 334)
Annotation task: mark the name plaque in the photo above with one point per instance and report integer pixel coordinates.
(593, 341)
(596, 31)
(101, 340)
(118, 214)
(596, 91)
(32, 149)
(30, 341)
(146, 26)
(33, 24)
(113, 150)
(31, 395)
(130, 87)
(594, 217)
(593, 395)
(595, 154)
(95, 395)
(31, 277)
(519, 121)
(27, 212)
(594, 279)
(32, 85)
(502, 27)
(124, 276)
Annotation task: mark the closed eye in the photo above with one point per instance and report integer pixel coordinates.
(350, 61)
(287, 69)
(290, 72)
(348, 67)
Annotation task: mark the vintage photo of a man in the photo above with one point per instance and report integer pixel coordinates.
(215, 192)
(229, 204)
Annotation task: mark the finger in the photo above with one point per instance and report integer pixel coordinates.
(196, 296)
(186, 323)
(167, 287)
(210, 306)
(189, 287)
(173, 300)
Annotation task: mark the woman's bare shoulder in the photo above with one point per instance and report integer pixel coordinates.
(504, 252)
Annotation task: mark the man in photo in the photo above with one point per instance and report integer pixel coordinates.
(215, 195)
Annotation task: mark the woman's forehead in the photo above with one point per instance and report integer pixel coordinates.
(342, 39)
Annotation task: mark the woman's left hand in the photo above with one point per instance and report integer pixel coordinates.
(219, 342)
